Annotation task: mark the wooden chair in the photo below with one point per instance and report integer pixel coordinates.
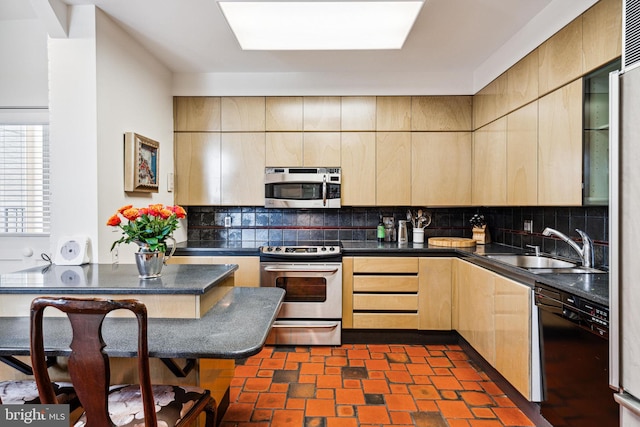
(105, 405)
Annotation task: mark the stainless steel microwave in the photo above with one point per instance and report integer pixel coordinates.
(307, 188)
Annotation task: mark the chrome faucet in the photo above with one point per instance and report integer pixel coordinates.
(586, 252)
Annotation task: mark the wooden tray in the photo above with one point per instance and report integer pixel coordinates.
(452, 242)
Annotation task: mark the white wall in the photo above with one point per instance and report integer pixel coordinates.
(134, 95)
(23, 84)
(23, 69)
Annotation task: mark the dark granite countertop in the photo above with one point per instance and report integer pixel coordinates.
(593, 287)
(114, 278)
(236, 327)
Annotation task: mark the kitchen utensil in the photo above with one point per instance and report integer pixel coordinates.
(410, 218)
(402, 232)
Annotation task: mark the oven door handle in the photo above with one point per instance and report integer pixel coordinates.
(301, 270)
(302, 326)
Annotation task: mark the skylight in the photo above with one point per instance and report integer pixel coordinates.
(321, 25)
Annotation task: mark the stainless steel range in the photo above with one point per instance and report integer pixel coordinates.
(311, 275)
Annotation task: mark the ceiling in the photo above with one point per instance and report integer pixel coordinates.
(479, 38)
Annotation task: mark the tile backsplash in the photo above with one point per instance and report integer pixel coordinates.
(348, 223)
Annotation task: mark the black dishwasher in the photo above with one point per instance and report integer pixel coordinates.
(575, 353)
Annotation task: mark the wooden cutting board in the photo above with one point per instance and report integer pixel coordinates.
(452, 242)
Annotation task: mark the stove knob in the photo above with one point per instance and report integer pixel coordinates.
(323, 248)
(331, 248)
(278, 249)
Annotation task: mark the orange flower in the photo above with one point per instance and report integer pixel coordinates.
(114, 220)
(124, 208)
(179, 211)
(131, 214)
(148, 227)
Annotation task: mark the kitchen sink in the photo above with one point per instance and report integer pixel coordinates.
(532, 261)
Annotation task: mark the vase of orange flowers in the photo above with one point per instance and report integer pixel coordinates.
(150, 228)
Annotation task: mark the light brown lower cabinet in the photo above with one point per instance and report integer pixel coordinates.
(247, 275)
(493, 313)
(397, 293)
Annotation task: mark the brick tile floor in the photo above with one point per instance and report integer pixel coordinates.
(357, 385)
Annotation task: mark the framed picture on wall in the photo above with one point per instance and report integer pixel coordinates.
(140, 163)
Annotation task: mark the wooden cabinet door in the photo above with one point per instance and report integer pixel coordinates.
(247, 274)
(602, 33)
(197, 168)
(513, 333)
(475, 293)
(243, 114)
(522, 156)
(196, 113)
(283, 149)
(358, 160)
(522, 81)
(393, 168)
(283, 113)
(435, 293)
(321, 113)
(441, 113)
(441, 168)
(560, 58)
(358, 113)
(489, 182)
(490, 102)
(321, 149)
(393, 113)
(560, 147)
(242, 165)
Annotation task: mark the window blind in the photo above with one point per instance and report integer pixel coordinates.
(24, 179)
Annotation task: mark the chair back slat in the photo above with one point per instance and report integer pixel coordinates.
(88, 363)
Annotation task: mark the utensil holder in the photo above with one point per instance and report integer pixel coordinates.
(418, 235)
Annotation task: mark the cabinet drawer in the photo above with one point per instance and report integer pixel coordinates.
(385, 320)
(385, 283)
(387, 302)
(385, 265)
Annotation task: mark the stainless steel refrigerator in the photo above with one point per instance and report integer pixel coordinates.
(624, 224)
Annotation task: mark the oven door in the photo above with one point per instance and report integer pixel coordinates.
(313, 290)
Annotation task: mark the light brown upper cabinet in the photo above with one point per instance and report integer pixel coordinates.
(522, 156)
(283, 149)
(321, 113)
(560, 58)
(490, 102)
(358, 168)
(321, 149)
(522, 81)
(489, 182)
(358, 113)
(242, 166)
(284, 113)
(196, 113)
(243, 114)
(560, 147)
(197, 168)
(393, 113)
(441, 168)
(441, 113)
(393, 168)
(602, 33)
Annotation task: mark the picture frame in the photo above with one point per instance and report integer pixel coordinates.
(141, 160)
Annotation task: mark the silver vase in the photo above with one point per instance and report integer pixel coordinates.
(149, 264)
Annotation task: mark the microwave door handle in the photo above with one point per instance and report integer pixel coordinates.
(324, 190)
